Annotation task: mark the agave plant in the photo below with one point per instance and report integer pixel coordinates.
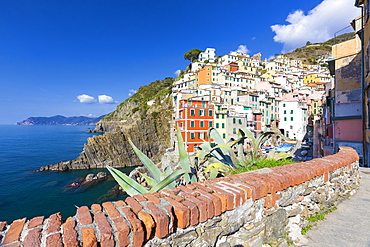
(222, 156)
(256, 142)
(158, 180)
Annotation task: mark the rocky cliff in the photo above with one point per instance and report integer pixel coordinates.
(147, 126)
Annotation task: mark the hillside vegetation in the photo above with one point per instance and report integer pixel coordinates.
(138, 103)
(318, 52)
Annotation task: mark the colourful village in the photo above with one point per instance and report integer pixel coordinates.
(316, 106)
(237, 90)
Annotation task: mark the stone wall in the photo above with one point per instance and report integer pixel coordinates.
(249, 209)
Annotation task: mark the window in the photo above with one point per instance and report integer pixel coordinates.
(284, 111)
(192, 124)
(217, 116)
(291, 111)
(202, 135)
(284, 118)
(201, 124)
(201, 113)
(210, 113)
(234, 131)
(223, 135)
(210, 124)
(223, 116)
(240, 121)
(192, 136)
(284, 105)
(217, 125)
(192, 112)
(291, 119)
(234, 120)
(223, 125)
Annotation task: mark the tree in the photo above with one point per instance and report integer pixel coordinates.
(192, 54)
(308, 43)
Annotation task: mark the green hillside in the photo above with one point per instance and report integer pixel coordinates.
(318, 52)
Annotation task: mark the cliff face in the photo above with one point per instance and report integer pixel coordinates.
(148, 128)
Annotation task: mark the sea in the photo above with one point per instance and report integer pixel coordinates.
(25, 192)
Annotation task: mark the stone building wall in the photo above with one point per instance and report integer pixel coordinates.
(247, 209)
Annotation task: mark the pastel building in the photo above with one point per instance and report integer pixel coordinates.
(208, 55)
(196, 116)
(293, 117)
(220, 120)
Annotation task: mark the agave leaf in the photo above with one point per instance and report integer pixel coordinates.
(152, 168)
(248, 133)
(151, 181)
(213, 133)
(213, 174)
(168, 171)
(219, 153)
(280, 156)
(168, 180)
(215, 168)
(201, 154)
(184, 159)
(228, 156)
(128, 184)
(218, 167)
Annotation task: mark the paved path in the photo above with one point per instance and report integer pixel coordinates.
(349, 225)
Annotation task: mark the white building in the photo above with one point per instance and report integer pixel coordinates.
(208, 55)
(293, 118)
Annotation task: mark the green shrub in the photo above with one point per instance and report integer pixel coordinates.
(261, 163)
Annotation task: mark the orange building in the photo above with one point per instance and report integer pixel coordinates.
(204, 75)
(232, 67)
(196, 116)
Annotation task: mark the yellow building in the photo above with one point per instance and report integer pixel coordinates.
(220, 121)
(317, 78)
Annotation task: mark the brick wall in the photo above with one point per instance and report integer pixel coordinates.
(247, 209)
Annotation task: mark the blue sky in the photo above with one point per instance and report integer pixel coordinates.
(78, 57)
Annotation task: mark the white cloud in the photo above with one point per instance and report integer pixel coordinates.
(178, 72)
(254, 38)
(319, 25)
(131, 92)
(105, 99)
(87, 99)
(242, 49)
